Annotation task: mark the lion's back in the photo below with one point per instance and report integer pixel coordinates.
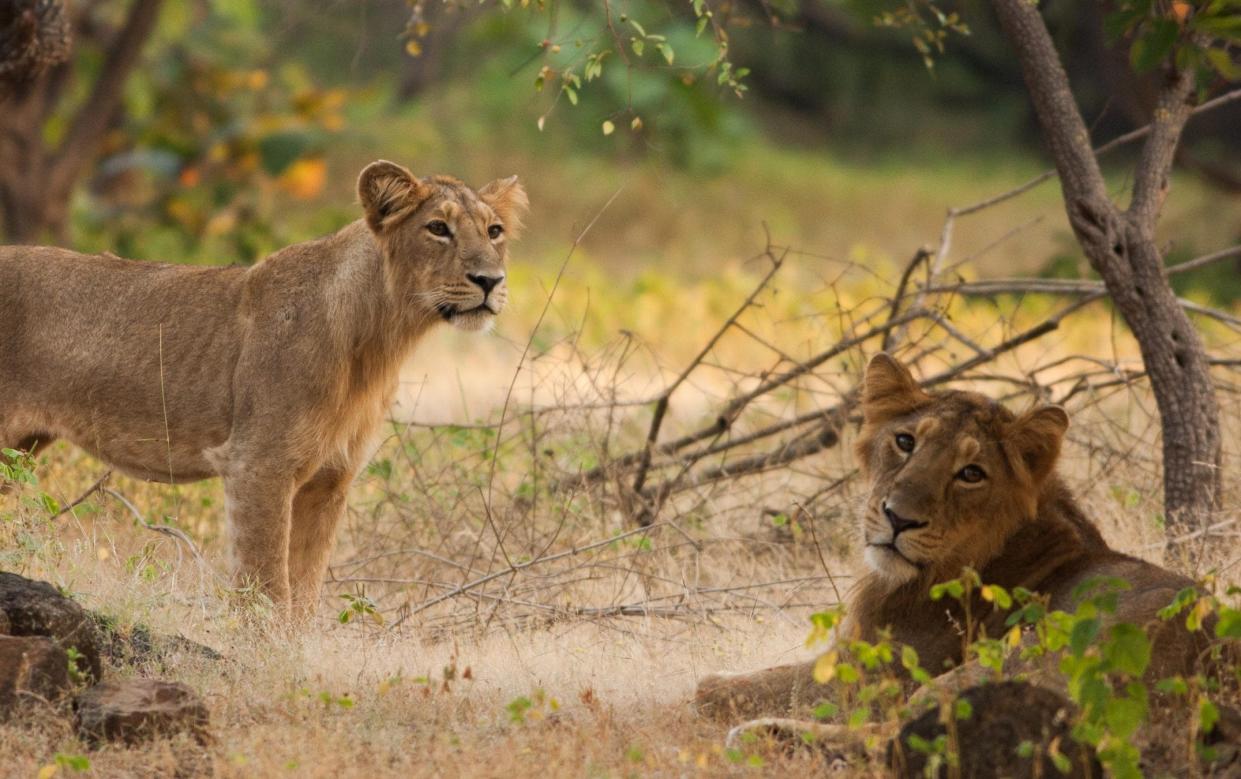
(97, 348)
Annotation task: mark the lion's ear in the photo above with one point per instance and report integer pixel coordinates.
(889, 390)
(386, 190)
(507, 197)
(1036, 435)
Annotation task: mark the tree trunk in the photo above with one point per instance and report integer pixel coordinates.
(36, 179)
(1121, 247)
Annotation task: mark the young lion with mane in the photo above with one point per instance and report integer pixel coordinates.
(958, 480)
(275, 377)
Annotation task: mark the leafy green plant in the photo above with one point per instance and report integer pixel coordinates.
(76, 663)
(537, 705)
(1103, 662)
(17, 467)
(359, 605)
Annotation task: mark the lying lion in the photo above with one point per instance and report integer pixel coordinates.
(275, 377)
(957, 480)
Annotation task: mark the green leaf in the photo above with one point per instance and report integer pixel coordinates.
(73, 762)
(50, 504)
(1208, 715)
(639, 46)
(962, 709)
(1229, 624)
(1124, 716)
(953, 589)
(280, 150)
(1151, 48)
(1083, 635)
(1061, 762)
(994, 593)
(909, 657)
(667, 51)
(1173, 685)
(1178, 604)
(1128, 650)
(1223, 64)
(1226, 27)
(1117, 24)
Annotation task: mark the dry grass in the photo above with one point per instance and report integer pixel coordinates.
(519, 681)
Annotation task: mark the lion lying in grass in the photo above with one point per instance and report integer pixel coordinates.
(275, 377)
(957, 480)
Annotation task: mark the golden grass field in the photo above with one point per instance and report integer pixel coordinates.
(576, 661)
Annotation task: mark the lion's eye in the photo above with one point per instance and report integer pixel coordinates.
(495, 231)
(439, 227)
(905, 442)
(971, 474)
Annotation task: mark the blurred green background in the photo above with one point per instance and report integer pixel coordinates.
(246, 123)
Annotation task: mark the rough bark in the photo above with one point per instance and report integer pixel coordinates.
(37, 177)
(1120, 245)
(34, 35)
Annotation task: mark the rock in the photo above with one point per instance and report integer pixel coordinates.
(137, 645)
(135, 710)
(36, 609)
(1005, 715)
(4, 624)
(32, 668)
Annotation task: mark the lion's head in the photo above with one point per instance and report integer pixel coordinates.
(952, 475)
(442, 241)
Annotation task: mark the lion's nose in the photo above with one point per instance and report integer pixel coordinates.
(900, 524)
(485, 283)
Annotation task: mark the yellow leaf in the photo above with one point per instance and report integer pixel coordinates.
(47, 771)
(825, 667)
(608, 127)
(1014, 637)
(636, 124)
(540, 124)
(304, 179)
(413, 48)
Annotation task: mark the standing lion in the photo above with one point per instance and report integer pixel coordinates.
(274, 377)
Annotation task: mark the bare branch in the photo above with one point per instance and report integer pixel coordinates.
(96, 114)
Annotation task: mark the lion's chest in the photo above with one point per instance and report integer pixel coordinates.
(352, 421)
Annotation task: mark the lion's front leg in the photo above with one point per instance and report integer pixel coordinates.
(770, 692)
(317, 508)
(259, 511)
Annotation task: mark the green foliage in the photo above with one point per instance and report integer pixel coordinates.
(213, 137)
(533, 707)
(359, 605)
(75, 763)
(637, 76)
(331, 700)
(1103, 663)
(928, 25)
(1195, 35)
(77, 663)
(17, 467)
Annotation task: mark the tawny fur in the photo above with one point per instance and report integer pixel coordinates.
(1018, 527)
(275, 377)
